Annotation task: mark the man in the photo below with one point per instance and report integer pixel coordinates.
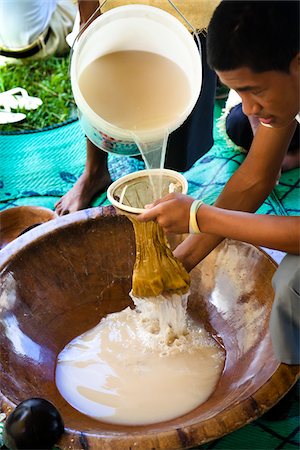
(254, 48)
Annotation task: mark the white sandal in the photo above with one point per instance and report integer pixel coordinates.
(6, 116)
(19, 98)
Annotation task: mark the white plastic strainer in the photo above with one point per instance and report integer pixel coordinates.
(133, 191)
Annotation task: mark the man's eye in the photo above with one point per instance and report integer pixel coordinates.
(258, 92)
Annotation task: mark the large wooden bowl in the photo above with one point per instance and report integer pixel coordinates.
(15, 221)
(59, 279)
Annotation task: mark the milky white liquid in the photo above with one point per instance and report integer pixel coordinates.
(137, 91)
(140, 366)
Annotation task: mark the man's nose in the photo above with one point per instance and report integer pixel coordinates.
(250, 106)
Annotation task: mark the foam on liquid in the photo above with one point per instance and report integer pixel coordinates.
(140, 366)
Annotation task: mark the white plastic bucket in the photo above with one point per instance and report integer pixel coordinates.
(139, 28)
(172, 181)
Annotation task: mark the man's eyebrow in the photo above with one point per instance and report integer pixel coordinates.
(245, 88)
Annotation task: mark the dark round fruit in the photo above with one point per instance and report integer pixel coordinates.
(34, 424)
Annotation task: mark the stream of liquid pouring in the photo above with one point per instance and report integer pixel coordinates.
(154, 155)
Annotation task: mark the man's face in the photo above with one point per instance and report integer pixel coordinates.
(272, 97)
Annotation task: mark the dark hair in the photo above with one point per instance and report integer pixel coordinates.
(261, 35)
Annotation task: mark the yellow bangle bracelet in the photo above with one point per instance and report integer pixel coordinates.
(193, 225)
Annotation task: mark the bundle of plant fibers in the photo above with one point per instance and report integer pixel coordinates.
(156, 270)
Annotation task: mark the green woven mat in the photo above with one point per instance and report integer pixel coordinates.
(263, 434)
(38, 168)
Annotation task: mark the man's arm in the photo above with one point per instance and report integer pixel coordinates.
(246, 190)
(276, 232)
(87, 9)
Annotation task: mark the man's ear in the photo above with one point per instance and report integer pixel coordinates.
(295, 65)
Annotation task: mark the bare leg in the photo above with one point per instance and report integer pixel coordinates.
(94, 179)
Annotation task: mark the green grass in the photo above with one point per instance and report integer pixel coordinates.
(47, 79)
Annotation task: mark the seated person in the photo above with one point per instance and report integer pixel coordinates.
(34, 29)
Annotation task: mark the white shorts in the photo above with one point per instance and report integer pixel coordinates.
(60, 25)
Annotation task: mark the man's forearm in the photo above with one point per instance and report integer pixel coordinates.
(238, 194)
(194, 248)
(277, 232)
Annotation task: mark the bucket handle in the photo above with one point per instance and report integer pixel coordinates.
(196, 37)
(195, 34)
(81, 30)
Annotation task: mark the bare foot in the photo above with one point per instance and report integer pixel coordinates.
(81, 194)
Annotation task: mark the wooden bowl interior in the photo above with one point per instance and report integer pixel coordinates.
(58, 281)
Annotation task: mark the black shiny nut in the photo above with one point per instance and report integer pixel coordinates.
(34, 424)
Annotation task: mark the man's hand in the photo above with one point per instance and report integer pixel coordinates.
(172, 213)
